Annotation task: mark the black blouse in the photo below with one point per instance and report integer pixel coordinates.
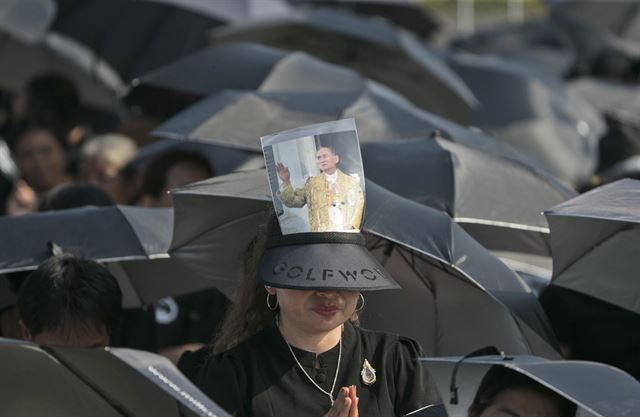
(260, 378)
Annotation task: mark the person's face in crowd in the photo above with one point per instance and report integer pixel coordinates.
(315, 311)
(42, 160)
(327, 161)
(87, 338)
(178, 175)
(104, 175)
(521, 402)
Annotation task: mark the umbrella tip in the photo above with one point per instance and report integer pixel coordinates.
(55, 249)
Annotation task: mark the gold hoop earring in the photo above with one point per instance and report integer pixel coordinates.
(269, 306)
(361, 306)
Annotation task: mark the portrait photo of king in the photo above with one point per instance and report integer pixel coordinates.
(334, 199)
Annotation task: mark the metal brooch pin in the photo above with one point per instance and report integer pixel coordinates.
(368, 374)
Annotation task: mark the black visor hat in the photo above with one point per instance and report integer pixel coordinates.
(322, 261)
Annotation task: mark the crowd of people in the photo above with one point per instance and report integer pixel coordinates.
(63, 165)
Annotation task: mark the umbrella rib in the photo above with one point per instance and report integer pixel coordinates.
(501, 224)
(133, 284)
(69, 366)
(591, 249)
(410, 260)
(213, 229)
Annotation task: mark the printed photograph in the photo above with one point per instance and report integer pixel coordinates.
(316, 177)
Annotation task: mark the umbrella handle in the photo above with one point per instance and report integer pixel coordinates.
(485, 351)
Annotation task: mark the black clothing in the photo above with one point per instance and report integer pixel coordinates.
(196, 319)
(260, 378)
(136, 330)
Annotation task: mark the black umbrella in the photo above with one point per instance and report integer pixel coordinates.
(27, 20)
(7, 296)
(233, 11)
(408, 14)
(237, 119)
(498, 201)
(57, 381)
(603, 34)
(246, 67)
(132, 241)
(594, 242)
(537, 116)
(620, 104)
(136, 36)
(373, 48)
(97, 83)
(597, 390)
(435, 261)
(535, 43)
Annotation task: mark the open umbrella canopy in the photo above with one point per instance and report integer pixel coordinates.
(136, 36)
(620, 104)
(538, 116)
(594, 242)
(132, 241)
(27, 20)
(604, 35)
(535, 43)
(408, 14)
(437, 263)
(58, 381)
(373, 48)
(233, 11)
(246, 67)
(497, 200)
(597, 390)
(97, 83)
(237, 119)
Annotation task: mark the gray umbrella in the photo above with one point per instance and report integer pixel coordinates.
(7, 296)
(132, 241)
(246, 67)
(136, 37)
(594, 242)
(233, 11)
(372, 47)
(434, 260)
(536, 115)
(535, 43)
(497, 200)
(58, 381)
(237, 119)
(97, 83)
(604, 35)
(27, 20)
(598, 390)
(620, 104)
(408, 14)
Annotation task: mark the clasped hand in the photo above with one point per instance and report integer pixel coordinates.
(346, 405)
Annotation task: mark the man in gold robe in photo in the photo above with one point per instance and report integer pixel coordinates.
(334, 199)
